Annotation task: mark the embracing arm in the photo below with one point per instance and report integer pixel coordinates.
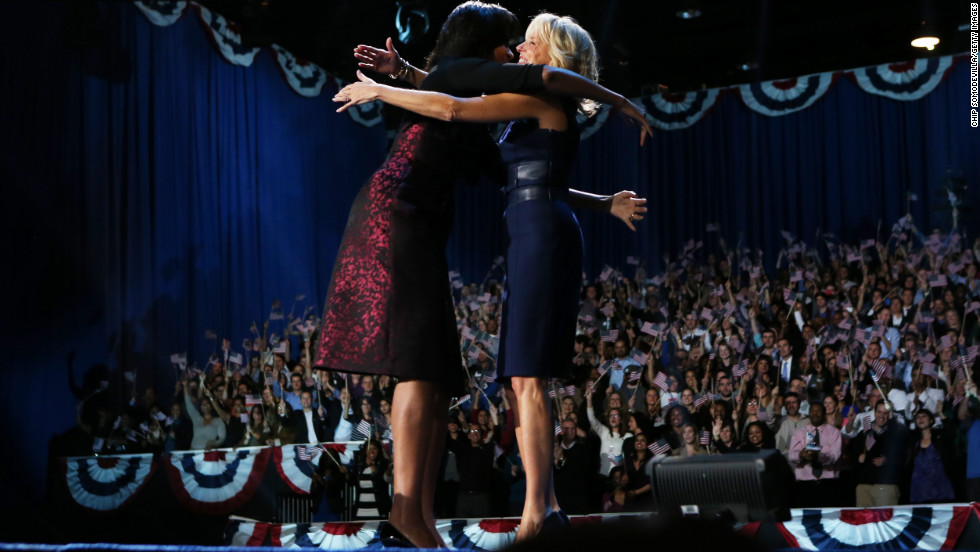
(436, 105)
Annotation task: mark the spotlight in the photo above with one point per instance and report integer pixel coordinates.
(689, 10)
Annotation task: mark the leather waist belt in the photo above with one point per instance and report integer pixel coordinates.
(528, 193)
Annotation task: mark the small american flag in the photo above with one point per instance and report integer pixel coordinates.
(867, 244)
(945, 342)
(663, 311)
(253, 400)
(467, 333)
(937, 280)
(280, 349)
(929, 369)
(660, 380)
(658, 448)
(557, 429)
(552, 394)
(877, 329)
(728, 311)
(362, 431)
(462, 400)
(306, 453)
(740, 369)
(602, 371)
(698, 402)
(235, 358)
(845, 325)
(649, 328)
(853, 257)
(634, 377)
(569, 390)
(796, 276)
(640, 357)
(789, 297)
(866, 423)
(878, 369)
(609, 337)
(707, 314)
(705, 438)
(497, 451)
(971, 353)
(811, 347)
(971, 306)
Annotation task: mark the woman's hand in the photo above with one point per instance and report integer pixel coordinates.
(632, 111)
(383, 61)
(627, 207)
(357, 93)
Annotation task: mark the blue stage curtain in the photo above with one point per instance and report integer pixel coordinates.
(153, 191)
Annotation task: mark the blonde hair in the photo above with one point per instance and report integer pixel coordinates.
(569, 46)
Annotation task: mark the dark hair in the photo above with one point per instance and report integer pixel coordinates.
(474, 29)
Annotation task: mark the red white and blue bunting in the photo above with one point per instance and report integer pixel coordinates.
(673, 111)
(225, 36)
(305, 78)
(162, 12)
(218, 481)
(107, 483)
(904, 528)
(589, 125)
(904, 81)
(294, 470)
(782, 97)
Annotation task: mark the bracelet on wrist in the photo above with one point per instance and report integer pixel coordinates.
(402, 72)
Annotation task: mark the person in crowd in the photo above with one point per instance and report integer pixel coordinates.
(638, 490)
(372, 478)
(926, 462)
(612, 432)
(758, 436)
(968, 413)
(878, 458)
(306, 425)
(691, 442)
(475, 462)
(209, 430)
(574, 468)
(815, 450)
(789, 423)
(723, 437)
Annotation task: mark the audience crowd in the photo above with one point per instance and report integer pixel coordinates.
(857, 362)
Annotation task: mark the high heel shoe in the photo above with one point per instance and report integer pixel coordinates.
(555, 520)
(393, 538)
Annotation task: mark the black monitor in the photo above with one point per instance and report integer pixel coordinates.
(739, 487)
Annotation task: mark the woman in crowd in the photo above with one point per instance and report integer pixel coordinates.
(757, 437)
(723, 437)
(545, 244)
(612, 432)
(259, 432)
(209, 430)
(832, 406)
(372, 501)
(638, 490)
(926, 465)
(691, 442)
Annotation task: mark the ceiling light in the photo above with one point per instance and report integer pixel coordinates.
(927, 42)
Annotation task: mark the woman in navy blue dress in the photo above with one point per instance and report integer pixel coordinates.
(544, 250)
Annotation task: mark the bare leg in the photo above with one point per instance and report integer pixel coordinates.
(437, 442)
(414, 413)
(535, 440)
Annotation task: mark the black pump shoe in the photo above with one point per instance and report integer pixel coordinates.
(393, 538)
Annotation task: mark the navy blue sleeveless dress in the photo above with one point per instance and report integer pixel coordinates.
(544, 251)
